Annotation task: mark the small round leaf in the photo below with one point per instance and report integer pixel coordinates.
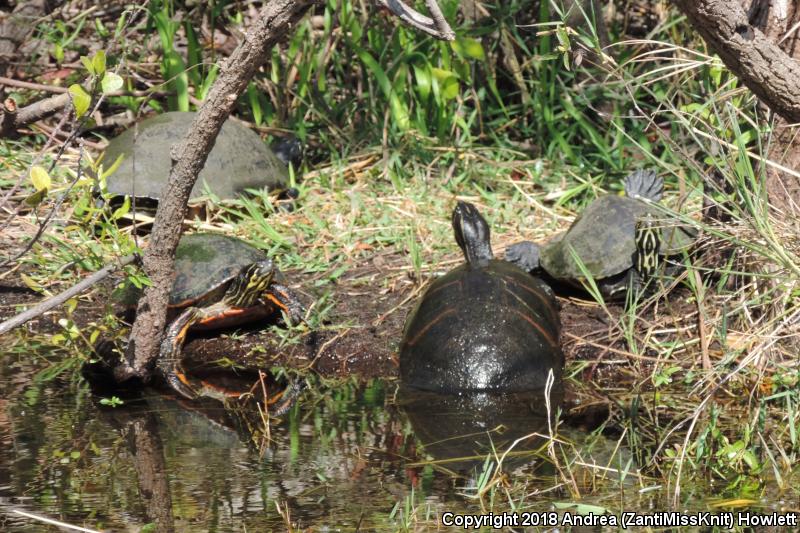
(111, 82)
(80, 99)
(40, 178)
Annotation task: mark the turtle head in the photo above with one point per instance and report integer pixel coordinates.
(472, 234)
(648, 242)
(289, 150)
(252, 281)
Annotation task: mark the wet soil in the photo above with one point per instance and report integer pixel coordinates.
(360, 337)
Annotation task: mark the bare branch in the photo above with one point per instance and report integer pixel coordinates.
(436, 26)
(59, 299)
(12, 119)
(188, 158)
(760, 63)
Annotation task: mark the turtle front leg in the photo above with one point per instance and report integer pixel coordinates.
(285, 299)
(281, 403)
(525, 255)
(170, 354)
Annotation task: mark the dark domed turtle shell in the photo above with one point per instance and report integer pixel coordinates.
(604, 237)
(490, 328)
(239, 160)
(486, 325)
(205, 263)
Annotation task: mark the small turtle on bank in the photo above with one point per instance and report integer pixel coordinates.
(484, 326)
(619, 240)
(239, 160)
(220, 282)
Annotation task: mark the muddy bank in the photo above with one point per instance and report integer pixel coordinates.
(359, 336)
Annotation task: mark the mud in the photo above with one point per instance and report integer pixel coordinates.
(360, 336)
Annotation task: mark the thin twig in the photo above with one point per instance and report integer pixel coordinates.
(54, 522)
(43, 225)
(436, 26)
(59, 299)
(62, 90)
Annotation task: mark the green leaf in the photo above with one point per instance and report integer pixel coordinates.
(397, 106)
(88, 64)
(255, 103)
(751, 460)
(448, 82)
(174, 71)
(211, 77)
(31, 283)
(114, 166)
(101, 30)
(99, 62)
(111, 82)
(112, 402)
(442, 74)
(122, 210)
(449, 88)
(80, 99)
(422, 74)
(58, 53)
(40, 178)
(563, 38)
(36, 198)
(467, 47)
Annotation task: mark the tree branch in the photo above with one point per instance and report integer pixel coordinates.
(436, 26)
(760, 63)
(188, 158)
(11, 118)
(59, 299)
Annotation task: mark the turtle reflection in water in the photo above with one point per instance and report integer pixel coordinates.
(460, 430)
(220, 282)
(487, 325)
(619, 240)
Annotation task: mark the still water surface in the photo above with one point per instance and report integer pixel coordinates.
(344, 460)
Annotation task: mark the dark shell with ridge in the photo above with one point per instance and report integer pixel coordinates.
(482, 327)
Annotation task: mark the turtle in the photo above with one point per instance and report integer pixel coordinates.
(619, 240)
(486, 325)
(239, 160)
(459, 430)
(220, 281)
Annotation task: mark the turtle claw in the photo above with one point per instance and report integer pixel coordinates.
(644, 184)
(288, 302)
(524, 254)
(288, 397)
(180, 384)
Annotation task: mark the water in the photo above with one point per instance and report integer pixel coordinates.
(347, 457)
